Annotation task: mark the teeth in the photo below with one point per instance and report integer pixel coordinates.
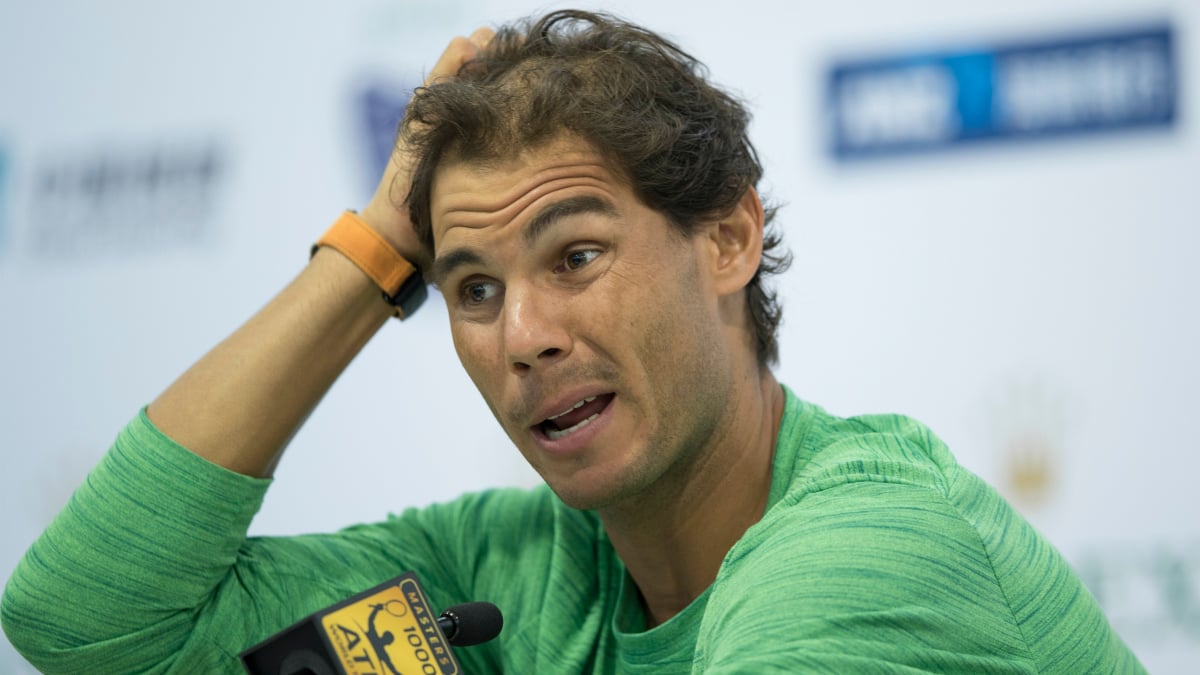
(555, 434)
(577, 405)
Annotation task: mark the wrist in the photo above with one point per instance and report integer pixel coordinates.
(392, 224)
(398, 280)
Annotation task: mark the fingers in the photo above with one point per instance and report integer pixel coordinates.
(482, 36)
(382, 211)
(459, 51)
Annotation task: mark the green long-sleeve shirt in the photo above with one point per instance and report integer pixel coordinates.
(876, 553)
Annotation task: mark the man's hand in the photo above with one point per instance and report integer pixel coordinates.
(387, 212)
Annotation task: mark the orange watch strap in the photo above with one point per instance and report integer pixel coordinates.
(356, 240)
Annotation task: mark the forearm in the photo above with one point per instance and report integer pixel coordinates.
(240, 404)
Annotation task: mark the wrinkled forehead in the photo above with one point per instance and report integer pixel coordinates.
(475, 190)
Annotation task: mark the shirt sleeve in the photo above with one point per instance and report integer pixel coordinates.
(141, 544)
(148, 567)
(862, 577)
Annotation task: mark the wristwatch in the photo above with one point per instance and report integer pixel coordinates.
(400, 280)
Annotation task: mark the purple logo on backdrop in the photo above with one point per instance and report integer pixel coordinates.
(380, 108)
(920, 101)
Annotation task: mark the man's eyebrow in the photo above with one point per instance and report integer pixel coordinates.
(443, 265)
(567, 207)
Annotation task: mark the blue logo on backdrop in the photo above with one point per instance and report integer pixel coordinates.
(381, 107)
(923, 101)
(3, 201)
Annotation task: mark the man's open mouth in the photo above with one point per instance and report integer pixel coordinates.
(574, 418)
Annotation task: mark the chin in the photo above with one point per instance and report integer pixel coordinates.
(586, 493)
(582, 498)
(590, 483)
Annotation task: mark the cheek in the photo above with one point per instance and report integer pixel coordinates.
(475, 351)
(682, 342)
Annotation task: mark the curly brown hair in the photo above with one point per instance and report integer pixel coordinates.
(643, 102)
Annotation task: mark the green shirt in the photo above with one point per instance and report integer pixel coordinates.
(877, 553)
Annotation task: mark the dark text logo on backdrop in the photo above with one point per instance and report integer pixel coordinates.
(126, 199)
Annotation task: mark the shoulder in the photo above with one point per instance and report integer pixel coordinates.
(861, 576)
(881, 551)
(882, 486)
(884, 572)
(863, 551)
(818, 451)
(864, 501)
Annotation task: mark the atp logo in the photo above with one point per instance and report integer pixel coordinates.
(374, 653)
(389, 630)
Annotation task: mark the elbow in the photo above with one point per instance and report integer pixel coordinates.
(26, 625)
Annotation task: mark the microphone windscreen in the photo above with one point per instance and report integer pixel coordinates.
(477, 622)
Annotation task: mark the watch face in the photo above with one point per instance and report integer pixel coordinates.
(412, 294)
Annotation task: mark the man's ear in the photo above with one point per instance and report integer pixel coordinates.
(737, 240)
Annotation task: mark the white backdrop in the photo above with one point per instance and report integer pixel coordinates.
(164, 167)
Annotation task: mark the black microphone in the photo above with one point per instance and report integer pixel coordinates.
(471, 623)
(388, 628)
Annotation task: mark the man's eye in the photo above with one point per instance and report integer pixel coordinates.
(478, 292)
(576, 259)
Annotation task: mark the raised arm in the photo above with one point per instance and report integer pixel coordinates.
(148, 568)
(240, 404)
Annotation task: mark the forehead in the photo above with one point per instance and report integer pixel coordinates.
(473, 194)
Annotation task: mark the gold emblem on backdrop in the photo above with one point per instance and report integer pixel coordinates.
(1029, 422)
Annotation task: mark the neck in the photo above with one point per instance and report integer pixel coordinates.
(673, 540)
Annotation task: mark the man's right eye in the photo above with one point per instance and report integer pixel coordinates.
(478, 292)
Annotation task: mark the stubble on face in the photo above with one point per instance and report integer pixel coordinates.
(648, 329)
(683, 362)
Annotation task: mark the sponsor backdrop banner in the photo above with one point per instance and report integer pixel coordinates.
(993, 211)
(1066, 85)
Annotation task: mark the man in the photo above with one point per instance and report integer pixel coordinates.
(586, 202)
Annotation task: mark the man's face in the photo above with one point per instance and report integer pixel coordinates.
(587, 322)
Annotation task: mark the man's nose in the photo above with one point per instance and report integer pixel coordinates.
(535, 334)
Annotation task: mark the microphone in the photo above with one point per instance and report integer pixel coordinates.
(471, 623)
(388, 628)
